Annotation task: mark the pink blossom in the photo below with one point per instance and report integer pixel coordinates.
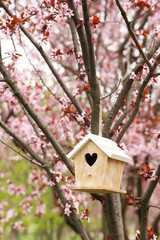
(82, 71)
(12, 189)
(154, 176)
(56, 54)
(1, 230)
(9, 215)
(64, 101)
(75, 92)
(80, 59)
(85, 215)
(33, 10)
(2, 174)
(40, 209)
(14, 55)
(157, 52)
(80, 119)
(33, 177)
(157, 29)
(133, 75)
(137, 235)
(67, 208)
(27, 206)
(18, 225)
(35, 194)
(51, 183)
(3, 204)
(57, 175)
(76, 205)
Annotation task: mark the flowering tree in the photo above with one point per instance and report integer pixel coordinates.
(73, 67)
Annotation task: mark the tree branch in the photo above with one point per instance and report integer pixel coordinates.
(75, 40)
(122, 95)
(90, 43)
(122, 47)
(145, 207)
(103, 97)
(148, 193)
(138, 100)
(33, 124)
(123, 13)
(154, 206)
(23, 156)
(77, 223)
(148, 12)
(35, 116)
(78, 49)
(94, 84)
(119, 103)
(82, 36)
(25, 146)
(48, 62)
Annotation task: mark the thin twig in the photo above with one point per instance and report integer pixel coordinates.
(23, 156)
(35, 116)
(122, 95)
(156, 74)
(146, 11)
(154, 206)
(123, 13)
(82, 36)
(136, 107)
(102, 98)
(22, 143)
(47, 61)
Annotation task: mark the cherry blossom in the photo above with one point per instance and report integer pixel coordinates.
(67, 210)
(40, 209)
(18, 225)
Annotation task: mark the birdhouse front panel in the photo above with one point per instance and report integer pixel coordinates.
(90, 166)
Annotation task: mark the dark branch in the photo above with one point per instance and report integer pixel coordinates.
(145, 207)
(48, 62)
(21, 98)
(94, 84)
(24, 145)
(123, 13)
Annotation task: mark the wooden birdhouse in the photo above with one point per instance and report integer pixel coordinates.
(99, 164)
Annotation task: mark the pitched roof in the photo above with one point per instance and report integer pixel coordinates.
(109, 147)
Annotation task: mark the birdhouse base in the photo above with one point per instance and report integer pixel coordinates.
(97, 189)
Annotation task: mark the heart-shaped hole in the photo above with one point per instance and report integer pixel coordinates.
(91, 159)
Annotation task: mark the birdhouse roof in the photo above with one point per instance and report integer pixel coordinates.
(109, 147)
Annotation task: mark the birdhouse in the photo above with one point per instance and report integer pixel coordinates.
(99, 164)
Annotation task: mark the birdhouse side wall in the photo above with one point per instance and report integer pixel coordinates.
(87, 175)
(114, 173)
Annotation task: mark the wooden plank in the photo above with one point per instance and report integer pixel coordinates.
(114, 173)
(97, 190)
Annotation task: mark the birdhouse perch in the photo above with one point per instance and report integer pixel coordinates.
(99, 164)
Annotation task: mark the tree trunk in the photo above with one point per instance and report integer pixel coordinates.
(113, 215)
